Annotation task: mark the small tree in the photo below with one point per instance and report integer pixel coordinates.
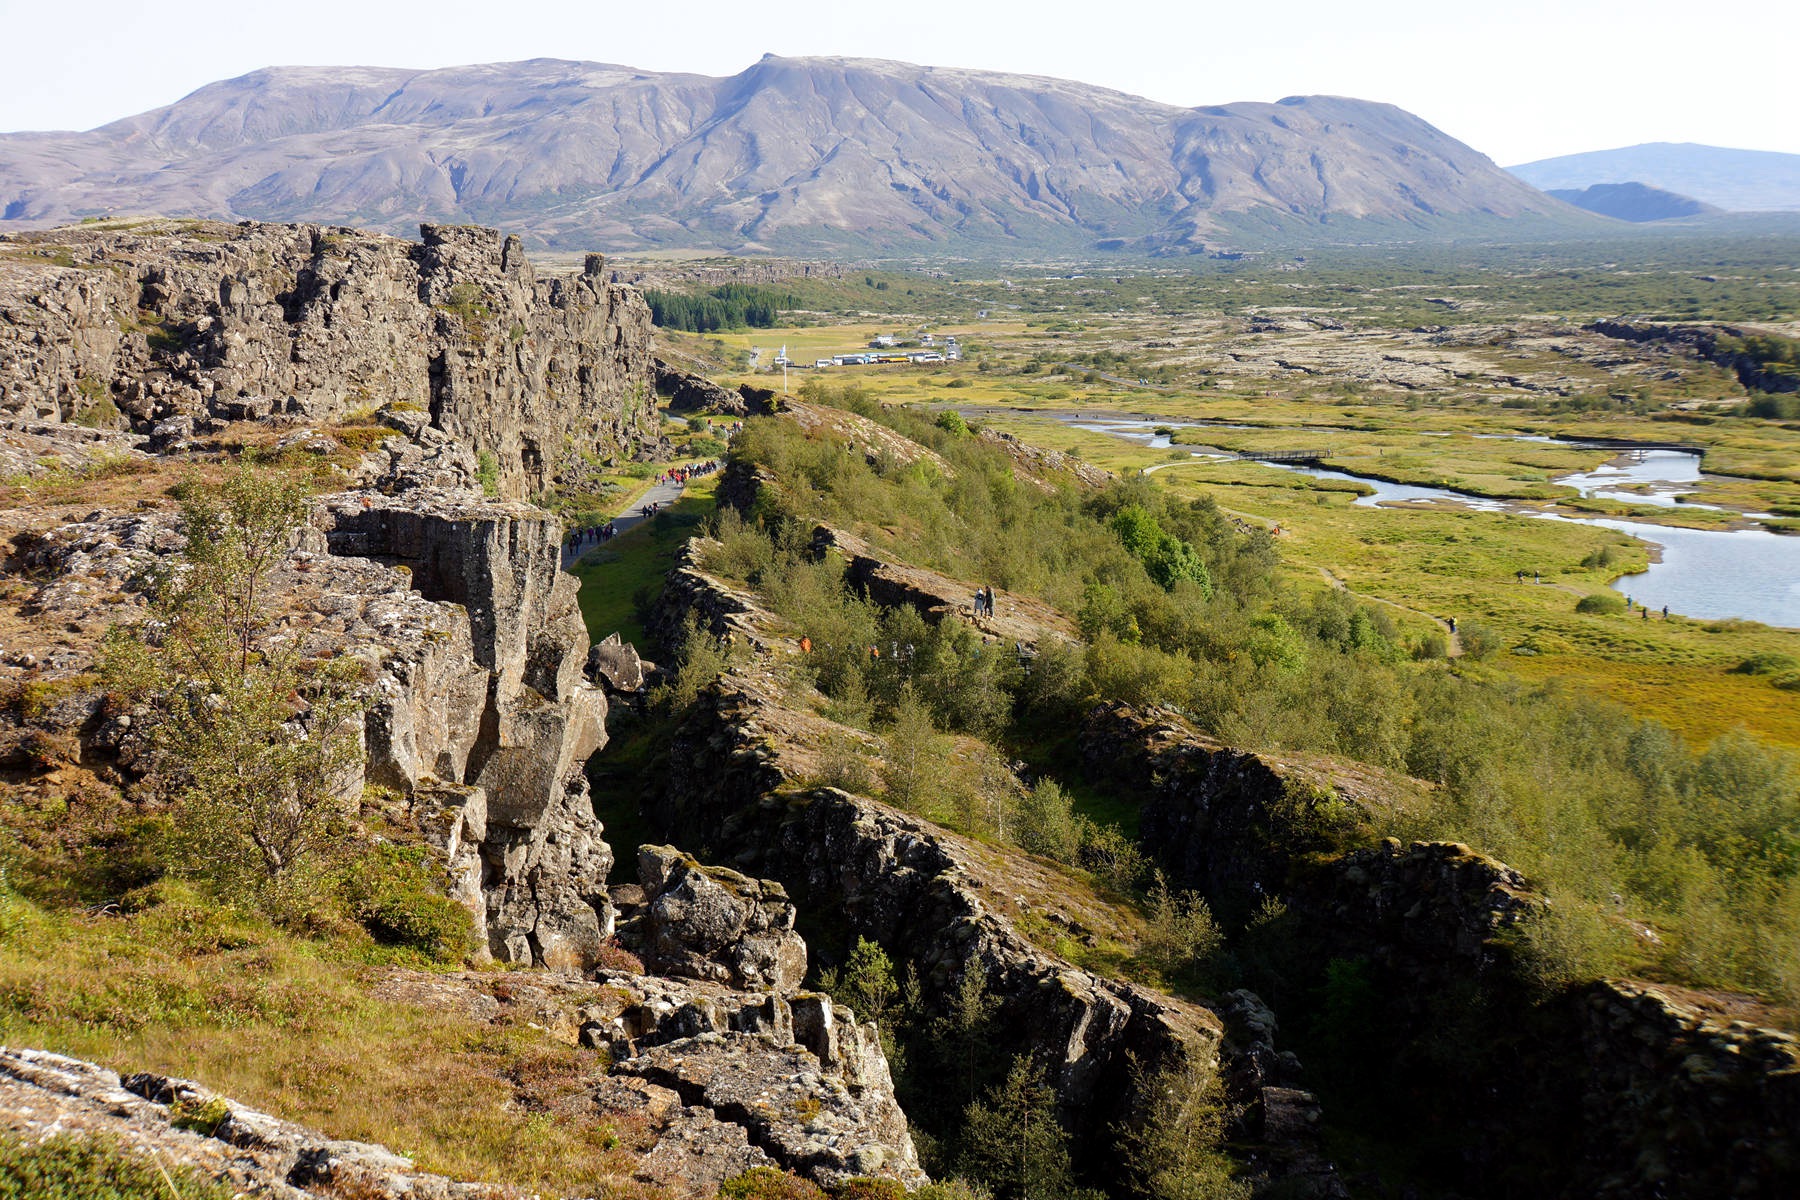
(915, 756)
(1181, 934)
(1046, 823)
(1172, 1148)
(254, 742)
(1012, 1141)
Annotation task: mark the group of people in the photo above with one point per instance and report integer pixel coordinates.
(1644, 608)
(591, 535)
(984, 602)
(682, 474)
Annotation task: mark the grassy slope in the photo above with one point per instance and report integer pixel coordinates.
(1444, 563)
(289, 1026)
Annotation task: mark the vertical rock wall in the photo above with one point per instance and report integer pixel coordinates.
(496, 736)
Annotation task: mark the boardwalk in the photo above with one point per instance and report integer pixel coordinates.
(1295, 456)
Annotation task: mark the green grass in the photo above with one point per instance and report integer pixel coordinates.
(616, 575)
(289, 1025)
(73, 1167)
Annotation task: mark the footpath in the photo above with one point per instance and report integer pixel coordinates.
(660, 495)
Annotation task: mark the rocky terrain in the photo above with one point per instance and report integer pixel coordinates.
(808, 153)
(483, 700)
(170, 326)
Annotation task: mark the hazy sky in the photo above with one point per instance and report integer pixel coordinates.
(1517, 80)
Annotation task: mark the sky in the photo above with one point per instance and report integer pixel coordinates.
(1518, 80)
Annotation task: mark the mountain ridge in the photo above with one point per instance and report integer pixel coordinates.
(817, 153)
(1727, 178)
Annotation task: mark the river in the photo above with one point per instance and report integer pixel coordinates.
(1711, 574)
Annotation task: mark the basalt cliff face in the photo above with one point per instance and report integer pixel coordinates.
(457, 367)
(170, 325)
(1615, 1088)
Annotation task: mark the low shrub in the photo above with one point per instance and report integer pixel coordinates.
(1601, 604)
(767, 1183)
(1768, 662)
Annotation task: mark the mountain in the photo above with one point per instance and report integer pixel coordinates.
(1734, 180)
(817, 153)
(1633, 202)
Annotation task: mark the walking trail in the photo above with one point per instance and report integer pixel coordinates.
(662, 494)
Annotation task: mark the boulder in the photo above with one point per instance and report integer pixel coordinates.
(716, 924)
(614, 665)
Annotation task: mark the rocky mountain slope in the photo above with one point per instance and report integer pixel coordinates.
(1734, 180)
(792, 152)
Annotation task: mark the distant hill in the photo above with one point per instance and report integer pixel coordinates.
(1734, 180)
(1634, 202)
(808, 154)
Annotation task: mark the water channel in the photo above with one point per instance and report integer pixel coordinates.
(1711, 574)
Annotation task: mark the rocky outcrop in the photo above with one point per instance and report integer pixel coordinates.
(42, 1094)
(1041, 465)
(230, 322)
(1721, 344)
(728, 1079)
(737, 786)
(1407, 957)
(718, 609)
(498, 732)
(756, 271)
(690, 393)
(714, 923)
(1021, 620)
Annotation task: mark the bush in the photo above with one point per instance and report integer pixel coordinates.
(863, 1187)
(1767, 663)
(768, 1183)
(614, 957)
(1604, 556)
(397, 894)
(1045, 823)
(1601, 604)
(200, 1117)
(1182, 934)
(1478, 641)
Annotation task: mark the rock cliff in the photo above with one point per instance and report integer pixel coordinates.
(455, 365)
(171, 320)
(1415, 951)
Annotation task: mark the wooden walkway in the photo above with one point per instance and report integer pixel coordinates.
(1295, 456)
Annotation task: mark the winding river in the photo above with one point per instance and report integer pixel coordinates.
(1711, 574)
